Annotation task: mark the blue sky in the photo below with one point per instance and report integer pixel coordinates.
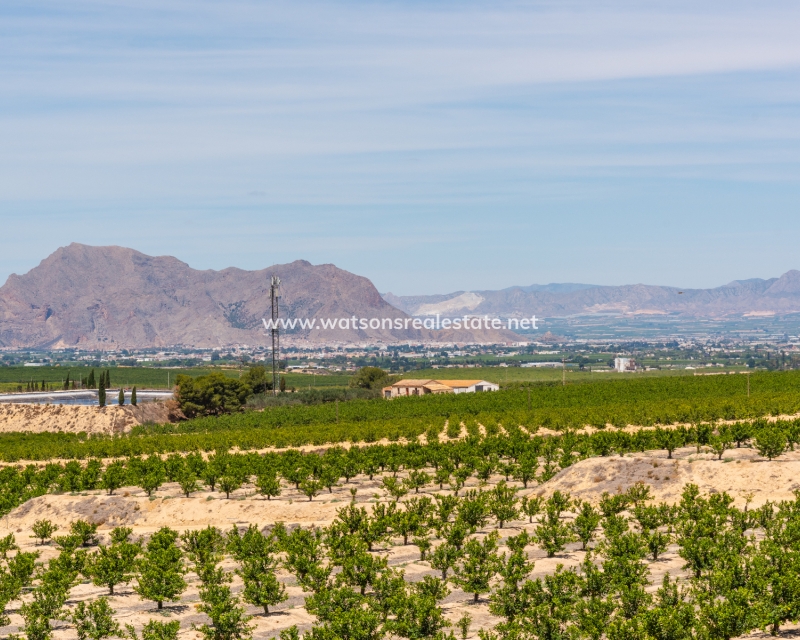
(429, 146)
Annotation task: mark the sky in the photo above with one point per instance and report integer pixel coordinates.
(429, 146)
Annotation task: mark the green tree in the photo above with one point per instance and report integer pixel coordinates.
(113, 477)
(268, 484)
(532, 506)
(503, 503)
(160, 570)
(155, 630)
(95, 620)
(586, 523)
(133, 397)
(101, 391)
(370, 378)
(479, 563)
(187, 481)
(113, 565)
(43, 530)
(551, 533)
(444, 558)
(230, 482)
(228, 618)
(255, 553)
(258, 379)
(85, 532)
(121, 397)
(770, 442)
(213, 394)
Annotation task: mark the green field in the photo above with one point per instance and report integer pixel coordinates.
(146, 377)
(620, 401)
(504, 375)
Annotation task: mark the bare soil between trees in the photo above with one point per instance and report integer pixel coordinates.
(741, 473)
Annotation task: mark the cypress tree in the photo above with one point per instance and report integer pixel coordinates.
(108, 378)
(121, 399)
(133, 397)
(90, 382)
(66, 383)
(101, 392)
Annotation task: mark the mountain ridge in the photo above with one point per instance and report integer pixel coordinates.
(755, 296)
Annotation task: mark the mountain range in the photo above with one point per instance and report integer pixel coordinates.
(740, 298)
(114, 298)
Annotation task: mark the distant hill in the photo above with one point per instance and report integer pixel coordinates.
(113, 297)
(754, 297)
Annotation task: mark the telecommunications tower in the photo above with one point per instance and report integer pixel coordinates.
(274, 296)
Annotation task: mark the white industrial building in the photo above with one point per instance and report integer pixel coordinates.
(624, 364)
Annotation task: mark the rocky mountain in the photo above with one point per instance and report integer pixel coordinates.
(754, 297)
(113, 297)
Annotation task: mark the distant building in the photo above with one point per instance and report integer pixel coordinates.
(624, 364)
(426, 387)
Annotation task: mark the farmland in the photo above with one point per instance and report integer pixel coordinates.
(11, 378)
(475, 529)
(532, 512)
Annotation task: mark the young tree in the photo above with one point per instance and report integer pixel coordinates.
(770, 442)
(113, 477)
(503, 503)
(552, 534)
(95, 620)
(418, 479)
(204, 548)
(444, 558)
(113, 565)
(532, 506)
(268, 484)
(255, 553)
(230, 482)
(310, 487)
(43, 530)
(133, 397)
(395, 488)
(479, 563)
(187, 481)
(101, 391)
(586, 523)
(85, 532)
(153, 478)
(121, 397)
(228, 618)
(161, 569)
(155, 630)
(16, 574)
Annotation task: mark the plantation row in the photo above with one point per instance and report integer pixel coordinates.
(742, 567)
(643, 401)
(518, 455)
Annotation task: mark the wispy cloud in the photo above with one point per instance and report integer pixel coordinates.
(405, 124)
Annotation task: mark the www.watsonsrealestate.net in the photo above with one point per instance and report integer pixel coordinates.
(431, 322)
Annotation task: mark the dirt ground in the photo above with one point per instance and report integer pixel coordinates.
(36, 418)
(740, 473)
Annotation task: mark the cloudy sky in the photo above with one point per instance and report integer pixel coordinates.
(430, 146)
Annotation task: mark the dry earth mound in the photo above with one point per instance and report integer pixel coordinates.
(739, 473)
(33, 418)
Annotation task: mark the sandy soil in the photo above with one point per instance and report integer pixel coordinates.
(742, 473)
(34, 418)
(739, 473)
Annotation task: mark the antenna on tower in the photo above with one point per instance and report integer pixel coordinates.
(274, 296)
